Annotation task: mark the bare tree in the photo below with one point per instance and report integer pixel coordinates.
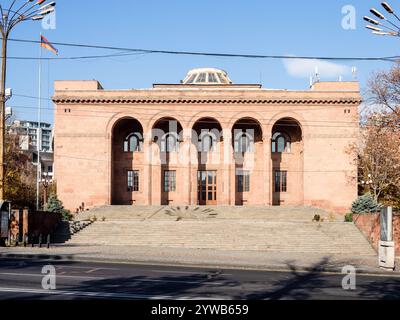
(379, 156)
(378, 152)
(384, 90)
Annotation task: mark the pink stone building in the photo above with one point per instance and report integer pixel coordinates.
(206, 141)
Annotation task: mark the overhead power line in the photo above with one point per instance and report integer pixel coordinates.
(78, 57)
(191, 53)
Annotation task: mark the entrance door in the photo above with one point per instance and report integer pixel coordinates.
(207, 188)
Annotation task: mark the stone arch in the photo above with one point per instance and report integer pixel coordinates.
(162, 115)
(125, 162)
(252, 123)
(246, 115)
(287, 114)
(287, 161)
(208, 123)
(207, 142)
(204, 114)
(162, 124)
(167, 135)
(123, 115)
(248, 149)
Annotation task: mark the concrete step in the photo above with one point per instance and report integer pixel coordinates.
(269, 229)
(339, 238)
(206, 212)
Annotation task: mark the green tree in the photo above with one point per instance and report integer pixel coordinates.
(365, 204)
(20, 176)
(55, 205)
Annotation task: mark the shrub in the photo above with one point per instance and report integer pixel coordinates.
(331, 217)
(317, 218)
(365, 204)
(55, 205)
(348, 217)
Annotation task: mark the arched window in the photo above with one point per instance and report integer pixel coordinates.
(281, 143)
(170, 142)
(244, 142)
(207, 142)
(133, 142)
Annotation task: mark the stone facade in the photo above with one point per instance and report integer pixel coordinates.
(214, 144)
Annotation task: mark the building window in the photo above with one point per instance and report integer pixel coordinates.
(280, 181)
(243, 181)
(191, 79)
(207, 142)
(133, 143)
(212, 78)
(222, 79)
(170, 143)
(202, 78)
(133, 181)
(169, 181)
(244, 142)
(281, 143)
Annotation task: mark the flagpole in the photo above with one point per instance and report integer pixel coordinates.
(39, 131)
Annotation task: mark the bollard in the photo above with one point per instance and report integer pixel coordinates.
(48, 241)
(26, 240)
(17, 240)
(40, 240)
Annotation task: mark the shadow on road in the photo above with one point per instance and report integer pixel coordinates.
(127, 283)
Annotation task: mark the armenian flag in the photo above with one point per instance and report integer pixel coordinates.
(44, 43)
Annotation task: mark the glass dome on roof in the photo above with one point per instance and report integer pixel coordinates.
(207, 76)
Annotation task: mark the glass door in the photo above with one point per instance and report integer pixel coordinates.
(207, 188)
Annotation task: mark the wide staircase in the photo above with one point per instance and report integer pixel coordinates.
(223, 228)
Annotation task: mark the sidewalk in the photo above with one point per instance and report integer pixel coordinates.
(254, 260)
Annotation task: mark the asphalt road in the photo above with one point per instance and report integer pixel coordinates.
(22, 279)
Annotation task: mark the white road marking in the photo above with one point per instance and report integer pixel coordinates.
(80, 267)
(189, 272)
(205, 281)
(41, 275)
(92, 270)
(103, 294)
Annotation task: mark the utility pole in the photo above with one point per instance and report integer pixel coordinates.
(3, 112)
(10, 17)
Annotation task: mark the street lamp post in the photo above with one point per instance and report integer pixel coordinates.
(46, 185)
(28, 10)
(383, 26)
(368, 182)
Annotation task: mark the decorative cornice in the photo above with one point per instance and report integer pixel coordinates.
(62, 100)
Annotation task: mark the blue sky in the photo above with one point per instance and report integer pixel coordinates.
(309, 27)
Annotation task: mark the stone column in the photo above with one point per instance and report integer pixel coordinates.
(147, 170)
(267, 168)
(228, 197)
(185, 164)
(110, 168)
